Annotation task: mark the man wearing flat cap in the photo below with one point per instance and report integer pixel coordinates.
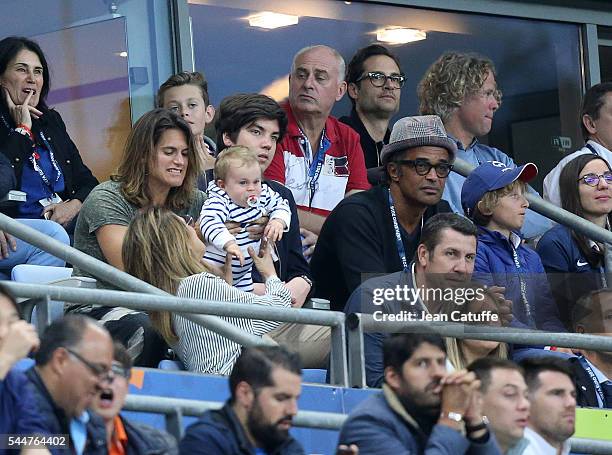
(377, 231)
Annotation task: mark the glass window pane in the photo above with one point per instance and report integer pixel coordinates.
(538, 62)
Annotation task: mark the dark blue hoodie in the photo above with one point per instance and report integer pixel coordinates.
(495, 266)
(570, 274)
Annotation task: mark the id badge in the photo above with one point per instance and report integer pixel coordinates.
(55, 199)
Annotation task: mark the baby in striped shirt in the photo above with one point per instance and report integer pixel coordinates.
(237, 194)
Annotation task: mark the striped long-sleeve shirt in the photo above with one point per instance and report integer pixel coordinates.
(205, 351)
(219, 208)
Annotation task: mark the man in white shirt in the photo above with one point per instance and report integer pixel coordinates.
(596, 124)
(552, 394)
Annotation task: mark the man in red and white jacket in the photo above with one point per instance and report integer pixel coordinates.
(320, 159)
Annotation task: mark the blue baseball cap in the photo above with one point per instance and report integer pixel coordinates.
(491, 176)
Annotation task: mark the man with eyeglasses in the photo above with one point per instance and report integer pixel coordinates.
(73, 364)
(320, 159)
(461, 89)
(596, 125)
(124, 437)
(374, 81)
(378, 231)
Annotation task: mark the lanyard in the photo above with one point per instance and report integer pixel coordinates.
(316, 165)
(592, 149)
(401, 251)
(523, 285)
(34, 157)
(596, 384)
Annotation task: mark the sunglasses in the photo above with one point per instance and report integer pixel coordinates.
(98, 370)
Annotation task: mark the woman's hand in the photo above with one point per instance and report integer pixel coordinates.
(203, 152)
(21, 113)
(63, 212)
(263, 260)
(7, 244)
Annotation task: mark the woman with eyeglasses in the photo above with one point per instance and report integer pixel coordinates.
(18, 410)
(574, 263)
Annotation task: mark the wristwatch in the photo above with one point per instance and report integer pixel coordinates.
(308, 280)
(454, 416)
(479, 426)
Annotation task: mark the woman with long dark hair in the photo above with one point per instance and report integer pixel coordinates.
(574, 263)
(47, 164)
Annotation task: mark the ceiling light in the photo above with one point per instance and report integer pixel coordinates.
(270, 20)
(400, 35)
(122, 54)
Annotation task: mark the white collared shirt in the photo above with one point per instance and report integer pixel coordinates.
(539, 446)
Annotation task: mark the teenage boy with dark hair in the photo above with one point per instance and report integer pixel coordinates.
(493, 197)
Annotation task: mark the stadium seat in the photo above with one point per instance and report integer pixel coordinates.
(171, 365)
(41, 274)
(314, 376)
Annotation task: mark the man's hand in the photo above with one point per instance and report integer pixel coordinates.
(7, 244)
(299, 289)
(504, 305)
(20, 340)
(62, 212)
(457, 390)
(309, 241)
(254, 228)
(347, 450)
(274, 230)
(203, 152)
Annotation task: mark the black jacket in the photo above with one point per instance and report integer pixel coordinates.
(7, 176)
(289, 248)
(146, 440)
(219, 432)
(358, 238)
(78, 179)
(58, 423)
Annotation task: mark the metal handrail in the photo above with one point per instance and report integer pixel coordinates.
(175, 408)
(193, 309)
(555, 213)
(110, 274)
(358, 323)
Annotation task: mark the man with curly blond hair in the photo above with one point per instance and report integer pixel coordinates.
(461, 89)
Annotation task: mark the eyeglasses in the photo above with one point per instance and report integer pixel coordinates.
(422, 167)
(379, 79)
(98, 370)
(495, 93)
(120, 370)
(593, 179)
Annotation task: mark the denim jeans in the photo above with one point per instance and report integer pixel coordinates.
(29, 254)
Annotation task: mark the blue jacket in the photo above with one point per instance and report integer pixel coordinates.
(19, 413)
(570, 275)
(495, 266)
(219, 432)
(56, 421)
(477, 153)
(381, 426)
